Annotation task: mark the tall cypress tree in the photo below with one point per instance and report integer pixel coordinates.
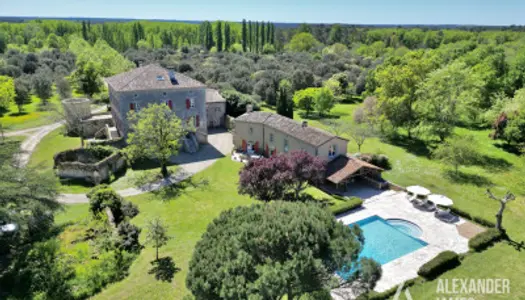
(250, 35)
(227, 36)
(257, 36)
(263, 39)
(244, 35)
(218, 36)
(268, 33)
(209, 36)
(84, 31)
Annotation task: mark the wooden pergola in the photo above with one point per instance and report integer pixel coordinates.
(345, 169)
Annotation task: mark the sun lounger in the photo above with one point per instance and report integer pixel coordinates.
(446, 216)
(424, 205)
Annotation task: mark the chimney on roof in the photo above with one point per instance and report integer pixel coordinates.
(305, 124)
(249, 108)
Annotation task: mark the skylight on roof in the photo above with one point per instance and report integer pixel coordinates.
(160, 78)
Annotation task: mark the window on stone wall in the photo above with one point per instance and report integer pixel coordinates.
(192, 102)
(332, 151)
(285, 146)
(271, 137)
(251, 130)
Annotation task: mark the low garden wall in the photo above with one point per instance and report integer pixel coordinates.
(94, 165)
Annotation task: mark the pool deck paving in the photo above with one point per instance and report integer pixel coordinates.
(439, 235)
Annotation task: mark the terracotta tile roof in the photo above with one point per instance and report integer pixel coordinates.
(150, 77)
(213, 95)
(345, 166)
(308, 134)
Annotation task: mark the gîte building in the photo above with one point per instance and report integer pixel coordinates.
(188, 98)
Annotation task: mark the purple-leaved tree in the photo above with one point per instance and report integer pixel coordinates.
(271, 178)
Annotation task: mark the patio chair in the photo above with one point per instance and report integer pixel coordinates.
(446, 216)
(424, 205)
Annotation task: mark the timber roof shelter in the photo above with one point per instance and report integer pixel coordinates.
(344, 167)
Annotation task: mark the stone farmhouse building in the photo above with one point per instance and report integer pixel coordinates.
(190, 99)
(270, 134)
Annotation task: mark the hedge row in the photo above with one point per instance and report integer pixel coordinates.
(349, 204)
(386, 294)
(485, 239)
(443, 262)
(476, 219)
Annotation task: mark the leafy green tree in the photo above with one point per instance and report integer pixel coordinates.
(49, 274)
(87, 77)
(155, 133)
(250, 35)
(7, 91)
(336, 34)
(229, 263)
(63, 88)
(305, 99)
(256, 37)
(457, 151)
(43, 85)
(514, 132)
(22, 91)
(397, 96)
(359, 134)
(302, 42)
(444, 95)
(157, 235)
(218, 36)
(324, 101)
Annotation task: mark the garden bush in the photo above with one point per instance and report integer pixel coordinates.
(349, 204)
(476, 219)
(443, 262)
(485, 239)
(110, 267)
(128, 237)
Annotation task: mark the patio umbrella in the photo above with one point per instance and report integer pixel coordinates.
(418, 190)
(441, 200)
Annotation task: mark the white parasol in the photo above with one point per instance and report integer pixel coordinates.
(418, 190)
(440, 200)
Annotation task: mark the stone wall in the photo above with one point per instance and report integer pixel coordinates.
(80, 164)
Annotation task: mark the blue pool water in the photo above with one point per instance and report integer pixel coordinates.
(384, 242)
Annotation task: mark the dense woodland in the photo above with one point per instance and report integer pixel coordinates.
(415, 83)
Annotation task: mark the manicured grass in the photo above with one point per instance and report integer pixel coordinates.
(187, 214)
(32, 115)
(499, 170)
(501, 261)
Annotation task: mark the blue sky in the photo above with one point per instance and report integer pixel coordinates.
(480, 12)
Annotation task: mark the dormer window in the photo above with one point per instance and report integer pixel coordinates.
(160, 78)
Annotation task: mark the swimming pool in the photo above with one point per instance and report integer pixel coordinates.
(406, 227)
(384, 242)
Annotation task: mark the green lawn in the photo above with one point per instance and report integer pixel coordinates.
(32, 116)
(187, 215)
(190, 212)
(500, 170)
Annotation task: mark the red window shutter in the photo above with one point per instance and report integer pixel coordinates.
(257, 147)
(197, 121)
(267, 151)
(132, 106)
(188, 103)
(170, 104)
(244, 146)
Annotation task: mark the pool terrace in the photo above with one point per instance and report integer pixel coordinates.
(438, 235)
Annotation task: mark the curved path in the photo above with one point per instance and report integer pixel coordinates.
(220, 144)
